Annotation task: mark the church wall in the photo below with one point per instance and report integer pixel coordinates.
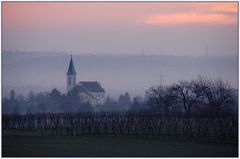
(100, 96)
(71, 82)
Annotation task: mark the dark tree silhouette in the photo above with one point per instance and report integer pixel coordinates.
(217, 93)
(124, 101)
(187, 94)
(163, 98)
(138, 104)
(12, 95)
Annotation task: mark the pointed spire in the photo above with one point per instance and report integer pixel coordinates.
(71, 69)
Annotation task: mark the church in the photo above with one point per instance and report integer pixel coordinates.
(89, 91)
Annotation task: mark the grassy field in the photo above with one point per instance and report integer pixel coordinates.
(39, 146)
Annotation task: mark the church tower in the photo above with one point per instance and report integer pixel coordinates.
(71, 76)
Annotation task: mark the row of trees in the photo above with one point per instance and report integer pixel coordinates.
(41, 102)
(55, 102)
(200, 96)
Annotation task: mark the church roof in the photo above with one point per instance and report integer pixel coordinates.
(71, 69)
(92, 86)
(81, 89)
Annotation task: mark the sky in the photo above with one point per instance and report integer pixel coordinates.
(167, 28)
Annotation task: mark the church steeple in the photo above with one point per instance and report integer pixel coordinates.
(71, 69)
(71, 76)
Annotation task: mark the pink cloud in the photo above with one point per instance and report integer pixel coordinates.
(191, 18)
(213, 7)
(222, 13)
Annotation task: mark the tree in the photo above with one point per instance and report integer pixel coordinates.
(5, 106)
(108, 100)
(163, 98)
(138, 104)
(55, 94)
(187, 94)
(109, 105)
(21, 104)
(217, 93)
(16, 110)
(124, 101)
(12, 95)
(127, 99)
(85, 107)
(31, 98)
(54, 101)
(72, 102)
(42, 107)
(31, 102)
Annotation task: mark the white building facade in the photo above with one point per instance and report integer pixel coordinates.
(89, 91)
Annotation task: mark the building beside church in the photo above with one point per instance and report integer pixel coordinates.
(89, 91)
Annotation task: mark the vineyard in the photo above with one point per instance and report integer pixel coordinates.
(193, 128)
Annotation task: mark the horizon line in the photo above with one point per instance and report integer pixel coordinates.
(110, 54)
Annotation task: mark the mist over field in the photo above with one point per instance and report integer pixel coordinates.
(43, 71)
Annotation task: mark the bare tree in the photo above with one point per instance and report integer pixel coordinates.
(217, 92)
(163, 98)
(187, 94)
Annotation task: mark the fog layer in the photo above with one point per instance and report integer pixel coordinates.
(25, 71)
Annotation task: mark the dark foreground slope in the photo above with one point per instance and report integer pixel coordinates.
(42, 146)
